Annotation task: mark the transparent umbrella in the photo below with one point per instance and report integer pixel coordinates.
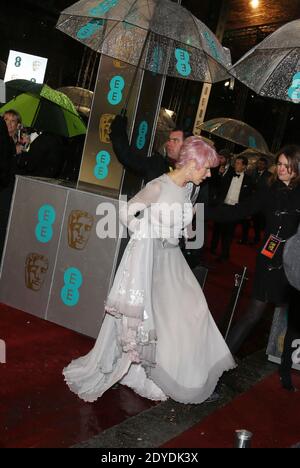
(236, 131)
(158, 35)
(43, 108)
(272, 68)
(81, 98)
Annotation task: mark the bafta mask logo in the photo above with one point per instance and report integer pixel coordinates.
(119, 64)
(36, 65)
(104, 127)
(79, 228)
(36, 267)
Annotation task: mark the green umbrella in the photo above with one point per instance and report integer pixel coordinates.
(44, 108)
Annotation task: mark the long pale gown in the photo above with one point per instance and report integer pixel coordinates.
(158, 336)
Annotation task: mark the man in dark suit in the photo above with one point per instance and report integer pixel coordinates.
(260, 179)
(6, 155)
(148, 168)
(44, 157)
(235, 187)
(219, 176)
(7, 150)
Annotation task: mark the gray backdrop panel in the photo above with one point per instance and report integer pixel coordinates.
(93, 257)
(28, 263)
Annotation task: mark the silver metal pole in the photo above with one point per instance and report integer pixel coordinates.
(239, 279)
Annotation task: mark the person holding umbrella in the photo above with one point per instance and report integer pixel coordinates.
(280, 203)
(6, 155)
(9, 125)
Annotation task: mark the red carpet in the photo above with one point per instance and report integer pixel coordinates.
(270, 413)
(36, 407)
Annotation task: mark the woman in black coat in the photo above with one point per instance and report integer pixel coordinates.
(280, 203)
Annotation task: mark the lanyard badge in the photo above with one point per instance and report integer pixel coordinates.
(271, 246)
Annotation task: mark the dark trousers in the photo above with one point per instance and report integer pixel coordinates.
(225, 233)
(254, 313)
(242, 329)
(258, 225)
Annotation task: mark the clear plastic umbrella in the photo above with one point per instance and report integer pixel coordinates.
(236, 131)
(158, 35)
(272, 68)
(81, 98)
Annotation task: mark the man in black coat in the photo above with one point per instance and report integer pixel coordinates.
(6, 155)
(6, 178)
(260, 179)
(235, 186)
(148, 168)
(44, 157)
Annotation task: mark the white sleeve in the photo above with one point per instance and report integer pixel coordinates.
(148, 195)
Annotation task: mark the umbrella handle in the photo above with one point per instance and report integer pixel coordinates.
(123, 112)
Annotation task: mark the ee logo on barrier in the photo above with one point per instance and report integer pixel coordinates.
(141, 138)
(294, 89)
(183, 62)
(157, 60)
(212, 45)
(90, 28)
(44, 230)
(252, 142)
(70, 292)
(115, 94)
(103, 7)
(101, 168)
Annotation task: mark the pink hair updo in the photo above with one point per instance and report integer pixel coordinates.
(194, 148)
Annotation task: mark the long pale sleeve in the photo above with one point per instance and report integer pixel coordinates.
(142, 200)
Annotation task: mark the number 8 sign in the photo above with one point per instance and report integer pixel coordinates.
(26, 67)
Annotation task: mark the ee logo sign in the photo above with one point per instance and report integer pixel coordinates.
(72, 282)
(101, 168)
(44, 230)
(294, 89)
(115, 94)
(183, 62)
(141, 138)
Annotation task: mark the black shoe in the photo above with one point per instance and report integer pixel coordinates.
(222, 259)
(215, 396)
(286, 381)
(115, 386)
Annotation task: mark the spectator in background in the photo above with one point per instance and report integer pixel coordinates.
(219, 176)
(236, 187)
(260, 178)
(281, 205)
(13, 121)
(44, 156)
(6, 155)
(8, 131)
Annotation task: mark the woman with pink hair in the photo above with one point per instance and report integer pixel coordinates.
(158, 336)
